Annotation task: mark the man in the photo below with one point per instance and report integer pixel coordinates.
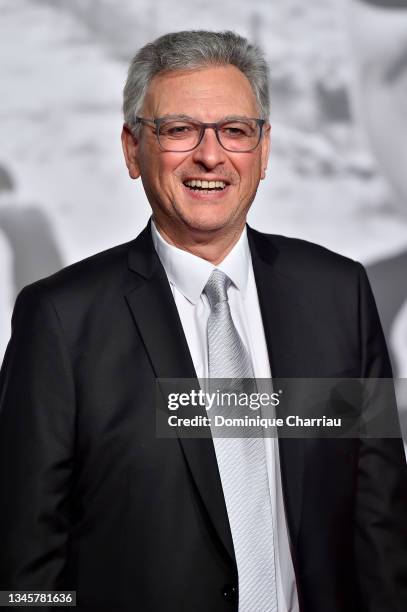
(95, 501)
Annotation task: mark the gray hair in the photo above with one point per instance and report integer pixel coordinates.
(190, 50)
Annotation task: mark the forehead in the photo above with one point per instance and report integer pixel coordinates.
(206, 94)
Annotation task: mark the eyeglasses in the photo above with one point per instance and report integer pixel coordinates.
(180, 134)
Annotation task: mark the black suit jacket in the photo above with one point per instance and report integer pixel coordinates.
(92, 500)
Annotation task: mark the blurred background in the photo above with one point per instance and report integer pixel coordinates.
(338, 169)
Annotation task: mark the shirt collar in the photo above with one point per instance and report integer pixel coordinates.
(189, 273)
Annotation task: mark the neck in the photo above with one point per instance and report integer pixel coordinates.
(213, 246)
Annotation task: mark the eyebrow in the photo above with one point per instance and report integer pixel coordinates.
(224, 118)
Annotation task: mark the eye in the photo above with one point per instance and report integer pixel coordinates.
(233, 131)
(236, 130)
(177, 130)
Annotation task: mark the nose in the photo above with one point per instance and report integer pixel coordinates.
(209, 152)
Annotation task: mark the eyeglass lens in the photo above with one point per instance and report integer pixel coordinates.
(180, 135)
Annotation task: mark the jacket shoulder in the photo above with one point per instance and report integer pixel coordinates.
(100, 271)
(301, 258)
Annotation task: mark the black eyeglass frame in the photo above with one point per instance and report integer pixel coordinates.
(203, 127)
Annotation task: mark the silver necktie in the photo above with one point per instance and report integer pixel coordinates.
(242, 464)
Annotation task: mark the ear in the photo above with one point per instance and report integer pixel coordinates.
(265, 149)
(130, 144)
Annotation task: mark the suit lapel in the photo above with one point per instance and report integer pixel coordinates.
(156, 317)
(284, 331)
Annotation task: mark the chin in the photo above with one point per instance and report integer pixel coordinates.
(209, 222)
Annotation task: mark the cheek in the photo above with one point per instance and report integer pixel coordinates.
(249, 172)
(169, 169)
(156, 173)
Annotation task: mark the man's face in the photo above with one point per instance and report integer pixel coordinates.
(208, 95)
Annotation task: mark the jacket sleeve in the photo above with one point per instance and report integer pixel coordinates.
(37, 420)
(381, 501)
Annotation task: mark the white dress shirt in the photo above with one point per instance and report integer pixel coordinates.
(188, 275)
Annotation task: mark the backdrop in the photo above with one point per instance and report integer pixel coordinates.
(337, 174)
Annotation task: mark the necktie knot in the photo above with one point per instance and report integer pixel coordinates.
(216, 288)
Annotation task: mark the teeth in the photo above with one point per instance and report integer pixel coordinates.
(205, 184)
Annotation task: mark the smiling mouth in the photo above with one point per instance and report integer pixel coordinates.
(205, 186)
